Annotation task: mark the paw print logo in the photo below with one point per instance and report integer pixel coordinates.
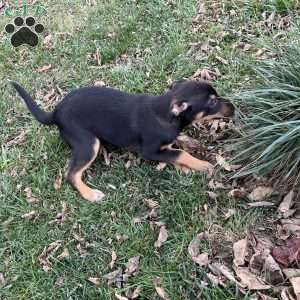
(24, 31)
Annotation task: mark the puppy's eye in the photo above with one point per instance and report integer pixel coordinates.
(212, 102)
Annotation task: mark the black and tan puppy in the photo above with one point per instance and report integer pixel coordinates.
(145, 123)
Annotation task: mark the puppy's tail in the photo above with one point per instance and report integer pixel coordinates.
(42, 116)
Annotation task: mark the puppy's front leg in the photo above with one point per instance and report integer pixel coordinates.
(177, 157)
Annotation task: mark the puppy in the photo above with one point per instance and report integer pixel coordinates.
(148, 124)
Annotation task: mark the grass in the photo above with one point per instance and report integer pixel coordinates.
(113, 28)
(270, 135)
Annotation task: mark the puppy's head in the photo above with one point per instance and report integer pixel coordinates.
(198, 101)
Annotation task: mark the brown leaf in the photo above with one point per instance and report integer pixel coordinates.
(272, 271)
(159, 290)
(295, 281)
(230, 212)
(106, 156)
(288, 253)
(47, 252)
(94, 280)
(2, 279)
(132, 266)
(240, 251)
(260, 204)
(29, 197)
(285, 206)
(29, 216)
(236, 193)
(60, 217)
(194, 251)
(161, 166)
(44, 68)
(122, 238)
(65, 254)
(114, 277)
(212, 195)
(251, 281)
(287, 294)
(260, 193)
(188, 143)
(220, 269)
(133, 294)
(214, 127)
(120, 297)
(222, 163)
(242, 45)
(58, 181)
(162, 237)
(113, 259)
(151, 203)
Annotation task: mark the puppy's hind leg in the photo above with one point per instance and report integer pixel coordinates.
(84, 152)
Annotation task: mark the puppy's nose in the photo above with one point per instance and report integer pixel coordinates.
(228, 109)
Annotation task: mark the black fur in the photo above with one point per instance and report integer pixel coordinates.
(143, 122)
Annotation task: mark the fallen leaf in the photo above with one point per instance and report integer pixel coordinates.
(2, 279)
(113, 259)
(236, 193)
(272, 271)
(114, 277)
(194, 251)
(94, 280)
(29, 216)
(44, 68)
(295, 281)
(106, 156)
(29, 197)
(251, 281)
(58, 181)
(188, 143)
(287, 294)
(119, 297)
(220, 269)
(60, 217)
(212, 195)
(82, 251)
(64, 254)
(151, 203)
(240, 251)
(287, 253)
(44, 257)
(230, 212)
(260, 193)
(285, 206)
(242, 45)
(122, 238)
(260, 204)
(159, 290)
(162, 237)
(161, 166)
(132, 266)
(214, 127)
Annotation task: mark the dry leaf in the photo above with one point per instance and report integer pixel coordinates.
(64, 254)
(29, 216)
(133, 294)
(212, 195)
(161, 166)
(119, 297)
(260, 204)
(240, 251)
(113, 259)
(219, 270)
(162, 237)
(236, 193)
(287, 294)
(58, 181)
(188, 143)
(94, 280)
(285, 206)
(44, 68)
(29, 198)
(251, 281)
(222, 163)
(47, 252)
(272, 271)
(214, 127)
(260, 193)
(288, 253)
(122, 238)
(132, 266)
(230, 212)
(151, 203)
(295, 281)
(60, 217)
(2, 279)
(114, 277)
(159, 290)
(194, 251)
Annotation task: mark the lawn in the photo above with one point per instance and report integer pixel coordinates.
(136, 46)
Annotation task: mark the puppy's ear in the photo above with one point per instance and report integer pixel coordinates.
(178, 107)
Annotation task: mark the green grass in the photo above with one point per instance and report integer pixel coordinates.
(79, 30)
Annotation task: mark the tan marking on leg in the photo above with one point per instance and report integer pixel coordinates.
(193, 163)
(85, 191)
(168, 146)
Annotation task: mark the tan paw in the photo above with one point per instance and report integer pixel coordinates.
(183, 169)
(95, 196)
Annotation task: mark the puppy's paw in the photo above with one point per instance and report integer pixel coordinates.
(183, 169)
(95, 196)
